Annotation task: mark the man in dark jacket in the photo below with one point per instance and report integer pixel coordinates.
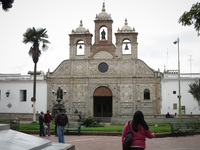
(41, 121)
(47, 120)
(61, 121)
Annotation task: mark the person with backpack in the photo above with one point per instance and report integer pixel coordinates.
(61, 121)
(140, 131)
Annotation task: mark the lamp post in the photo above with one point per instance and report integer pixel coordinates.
(179, 84)
(156, 78)
(33, 99)
(7, 93)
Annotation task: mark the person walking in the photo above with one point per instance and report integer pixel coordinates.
(41, 123)
(61, 121)
(80, 115)
(47, 120)
(140, 131)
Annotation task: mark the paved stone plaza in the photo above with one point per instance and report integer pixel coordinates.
(83, 142)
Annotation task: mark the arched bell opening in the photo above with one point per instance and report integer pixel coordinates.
(126, 47)
(80, 48)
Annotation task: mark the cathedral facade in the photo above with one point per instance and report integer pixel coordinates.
(103, 79)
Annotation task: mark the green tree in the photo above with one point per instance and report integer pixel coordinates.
(35, 37)
(195, 90)
(192, 17)
(6, 4)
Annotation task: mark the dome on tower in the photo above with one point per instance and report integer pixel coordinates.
(126, 28)
(80, 29)
(103, 15)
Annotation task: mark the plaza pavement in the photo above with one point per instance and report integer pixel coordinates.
(90, 142)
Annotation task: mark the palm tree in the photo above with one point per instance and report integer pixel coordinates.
(6, 4)
(35, 37)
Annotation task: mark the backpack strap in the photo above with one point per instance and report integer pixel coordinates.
(128, 126)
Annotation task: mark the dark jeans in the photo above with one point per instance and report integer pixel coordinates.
(136, 148)
(56, 130)
(42, 130)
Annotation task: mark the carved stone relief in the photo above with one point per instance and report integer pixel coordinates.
(79, 93)
(126, 93)
(126, 67)
(79, 68)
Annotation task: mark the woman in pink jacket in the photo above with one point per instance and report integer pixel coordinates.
(140, 131)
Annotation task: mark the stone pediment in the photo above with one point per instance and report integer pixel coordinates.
(103, 55)
(143, 68)
(63, 69)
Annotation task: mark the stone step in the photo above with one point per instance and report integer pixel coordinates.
(11, 139)
(4, 126)
(59, 146)
(103, 119)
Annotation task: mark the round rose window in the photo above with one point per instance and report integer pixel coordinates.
(103, 67)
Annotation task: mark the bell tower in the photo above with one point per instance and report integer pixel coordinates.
(80, 43)
(126, 42)
(103, 33)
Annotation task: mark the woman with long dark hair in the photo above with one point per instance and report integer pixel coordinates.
(140, 131)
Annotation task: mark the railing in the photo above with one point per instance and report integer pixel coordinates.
(174, 74)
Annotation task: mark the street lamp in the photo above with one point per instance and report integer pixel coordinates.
(33, 99)
(156, 78)
(7, 93)
(179, 84)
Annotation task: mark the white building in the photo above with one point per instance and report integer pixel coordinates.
(170, 91)
(16, 91)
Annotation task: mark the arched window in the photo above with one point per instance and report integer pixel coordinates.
(80, 47)
(126, 47)
(146, 94)
(103, 33)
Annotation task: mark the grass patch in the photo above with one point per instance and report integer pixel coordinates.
(4, 122)
(119, 129)
(161, 128)
(34, 126)
(106, 128)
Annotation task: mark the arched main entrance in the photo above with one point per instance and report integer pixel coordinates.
(102, 102)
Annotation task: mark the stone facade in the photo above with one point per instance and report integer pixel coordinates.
(103, 81)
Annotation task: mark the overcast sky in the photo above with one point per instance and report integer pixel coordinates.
(156, 22)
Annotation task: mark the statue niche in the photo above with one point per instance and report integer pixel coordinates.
(59, 94)
(103, 33)
(59, 97)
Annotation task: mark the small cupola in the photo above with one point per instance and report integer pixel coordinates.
(126, 28)
(81, 29)
(103, 15)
